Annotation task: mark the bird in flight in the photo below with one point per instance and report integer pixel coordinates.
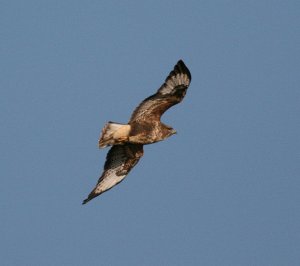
(144, 127)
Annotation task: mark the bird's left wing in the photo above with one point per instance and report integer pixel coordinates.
(119, 161)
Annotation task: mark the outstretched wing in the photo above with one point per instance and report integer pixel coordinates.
(119, 161)
(170, 93)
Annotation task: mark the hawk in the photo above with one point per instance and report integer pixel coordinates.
(144, 127)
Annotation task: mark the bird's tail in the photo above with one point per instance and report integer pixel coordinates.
(113, 133)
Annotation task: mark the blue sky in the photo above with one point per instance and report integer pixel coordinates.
(223, 191)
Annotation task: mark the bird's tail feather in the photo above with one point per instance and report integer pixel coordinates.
(113, 133)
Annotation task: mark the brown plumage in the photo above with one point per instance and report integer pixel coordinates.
(144, 127)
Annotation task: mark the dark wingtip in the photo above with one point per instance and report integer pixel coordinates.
(85, 201)
(181, 65)
(90, 197)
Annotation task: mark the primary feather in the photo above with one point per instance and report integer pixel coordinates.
(119, 161)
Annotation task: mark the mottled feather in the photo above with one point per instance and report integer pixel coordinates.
(119, 161)
(170, 93)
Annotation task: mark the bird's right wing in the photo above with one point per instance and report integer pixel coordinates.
(170, 93)
(119, 161)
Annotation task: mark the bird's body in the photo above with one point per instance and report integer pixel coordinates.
(144, 127)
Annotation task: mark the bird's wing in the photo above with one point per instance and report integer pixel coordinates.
(170, 93)
(119, 161)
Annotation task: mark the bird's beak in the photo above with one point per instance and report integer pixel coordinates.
(174, 131)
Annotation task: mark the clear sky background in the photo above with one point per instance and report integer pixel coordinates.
(224, 191)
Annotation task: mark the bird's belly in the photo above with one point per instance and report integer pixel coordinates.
(141, 139)
(145, 138)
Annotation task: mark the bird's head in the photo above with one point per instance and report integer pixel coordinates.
(173, 131)
(170, 131)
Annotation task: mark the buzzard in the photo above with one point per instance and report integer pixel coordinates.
(144, 127)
